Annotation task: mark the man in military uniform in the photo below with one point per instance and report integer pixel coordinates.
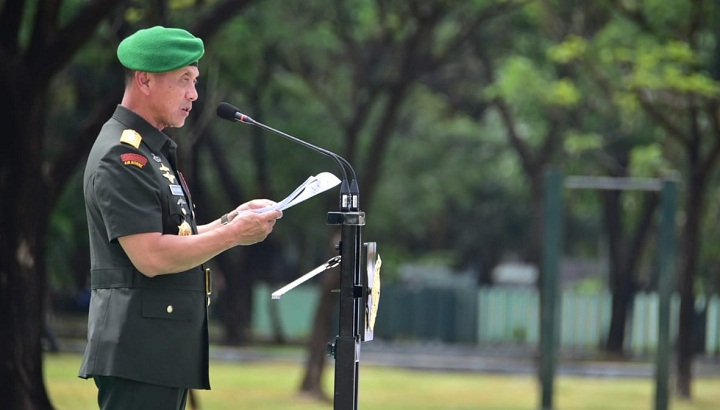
(147, 326)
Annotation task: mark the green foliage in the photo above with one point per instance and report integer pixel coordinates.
(648, 161)
(431, 202)
(576, 143)
(670, 66)
(67, 241)
(571, 49)
(451, 186)
(520, 81)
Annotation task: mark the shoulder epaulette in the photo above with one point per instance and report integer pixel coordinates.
(131, 137)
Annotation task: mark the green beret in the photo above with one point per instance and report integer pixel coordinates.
(160, 49)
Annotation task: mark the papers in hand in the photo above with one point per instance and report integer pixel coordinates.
(308, 189)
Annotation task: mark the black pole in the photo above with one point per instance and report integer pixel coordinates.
(550, 310)
(667, 244)
(346, 348)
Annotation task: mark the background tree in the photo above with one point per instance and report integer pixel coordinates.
(32, 55)
(659, 66)
(448, 110)
(38, 41)
(370, 60)
(608, 144)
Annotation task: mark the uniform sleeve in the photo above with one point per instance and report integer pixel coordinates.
(127, 193)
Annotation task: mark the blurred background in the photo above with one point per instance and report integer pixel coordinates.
(451, 113)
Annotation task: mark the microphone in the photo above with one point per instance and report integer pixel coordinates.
(349, 193)
(231, 113)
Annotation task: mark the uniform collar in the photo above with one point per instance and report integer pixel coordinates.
(156, 140)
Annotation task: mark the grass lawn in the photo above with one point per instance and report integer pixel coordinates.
(260, 386)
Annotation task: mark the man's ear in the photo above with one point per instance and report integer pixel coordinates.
(142, 81)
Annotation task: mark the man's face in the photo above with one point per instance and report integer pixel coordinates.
(172, 95)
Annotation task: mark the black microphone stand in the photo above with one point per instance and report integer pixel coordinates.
(353, 285)
(346, 348)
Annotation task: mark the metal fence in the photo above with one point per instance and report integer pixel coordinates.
(492, 316)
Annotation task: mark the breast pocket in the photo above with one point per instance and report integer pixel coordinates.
(167, 304)
(177, 216)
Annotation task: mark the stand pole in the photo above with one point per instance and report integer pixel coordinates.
(667, 244)
(346, 348)
(550, 306)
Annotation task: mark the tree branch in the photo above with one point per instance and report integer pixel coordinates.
(527, 159)
(663, 120)
(52, 50)
(468, 30)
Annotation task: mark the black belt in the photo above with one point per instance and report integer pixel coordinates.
(111, 278)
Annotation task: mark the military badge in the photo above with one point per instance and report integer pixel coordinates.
(166, 173)
(170, 177)
(184, 229)
(133, 159)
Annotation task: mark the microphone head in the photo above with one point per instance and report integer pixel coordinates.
(228, 112)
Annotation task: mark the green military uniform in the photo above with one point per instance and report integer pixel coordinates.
(147, 337)
(152, 330)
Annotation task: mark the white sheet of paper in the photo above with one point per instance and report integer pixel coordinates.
(308, 189)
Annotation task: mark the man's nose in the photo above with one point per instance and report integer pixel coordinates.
(192, 93)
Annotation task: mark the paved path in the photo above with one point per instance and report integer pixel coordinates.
(510, 361)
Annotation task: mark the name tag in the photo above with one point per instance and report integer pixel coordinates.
(176, 190)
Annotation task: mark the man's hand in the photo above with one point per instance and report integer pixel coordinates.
(252, 227)
(255, 204)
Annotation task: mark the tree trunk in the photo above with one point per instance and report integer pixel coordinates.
(22, 267)
(320, 335)
(22, 307)
(236, 298)
(534, 248)
(31, 182)
(620, 279)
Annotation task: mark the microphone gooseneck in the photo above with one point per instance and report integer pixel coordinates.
(349, 192)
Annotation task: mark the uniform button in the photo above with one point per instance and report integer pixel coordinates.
(169, 309)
